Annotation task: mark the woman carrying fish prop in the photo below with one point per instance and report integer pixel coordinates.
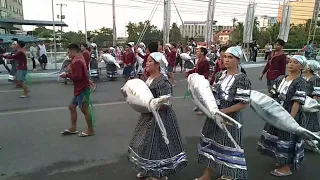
(313, 91)
(202, 68)
(287, 148)
(151, 154)
(222, 150)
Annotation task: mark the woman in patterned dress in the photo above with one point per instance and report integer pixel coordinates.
(151, 156)
(215, 150)
(313, 91)
(285, 147)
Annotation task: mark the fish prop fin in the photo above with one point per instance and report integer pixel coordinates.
(313, 145)
(155, 103)
(229, 120)
(160, 124)
(224, 128)
(308, 135)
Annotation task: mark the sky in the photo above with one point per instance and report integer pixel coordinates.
(99, 12)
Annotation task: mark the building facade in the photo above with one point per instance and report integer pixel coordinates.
(10, 9)
(222, 37)
(198, 28)
(266, 21)
(302, 10)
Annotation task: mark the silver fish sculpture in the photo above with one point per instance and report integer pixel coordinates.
(311, 105)
(139, 97)
(273, 113)
(201, 94)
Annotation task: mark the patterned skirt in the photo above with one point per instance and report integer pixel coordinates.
(148, 152)
(285, 147)
(312, 124)
(217, 152)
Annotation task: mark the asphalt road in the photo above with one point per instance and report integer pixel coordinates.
(32, 148)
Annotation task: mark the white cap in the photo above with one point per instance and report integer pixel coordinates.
(301, 59)
(235, 51)
(93, 45)
(142, 44)
(159, 58)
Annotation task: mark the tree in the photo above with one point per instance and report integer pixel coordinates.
(135, 30)
(103, 34)
(234, 22)
(175, 33)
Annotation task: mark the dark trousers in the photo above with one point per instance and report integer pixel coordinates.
(13, 68)
(33, 63)
(266, 55)
(5, 66)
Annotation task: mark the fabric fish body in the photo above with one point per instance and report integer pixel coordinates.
(273, 113)
(108, 58)
(185, 57)
(201, 93)
(311, 105)
(140, 98)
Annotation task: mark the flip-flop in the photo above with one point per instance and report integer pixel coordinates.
(140, 175)
(68, 132)
(164, 178)
(280, 174)
(83, 134)
(24, 96)
(224, 178)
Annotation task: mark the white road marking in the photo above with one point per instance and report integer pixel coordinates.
(65, 107)
(12, 90)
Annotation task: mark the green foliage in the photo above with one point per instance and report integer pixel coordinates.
(298, 35)
(134, 31)
(175, 33)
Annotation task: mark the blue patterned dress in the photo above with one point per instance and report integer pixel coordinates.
(312, 119)
(285, 147)
(215, 150)
(148, 152)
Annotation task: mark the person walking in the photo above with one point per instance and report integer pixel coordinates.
(33, 55)
(42, 53)
(2, 51)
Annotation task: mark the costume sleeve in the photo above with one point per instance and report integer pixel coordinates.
(164, 88)
(275, 85)
(300, 93)
(316, 87)
(266, 68)
(243, 90)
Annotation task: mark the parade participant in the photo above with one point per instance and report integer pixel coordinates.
(152, 47)
(21, 58)
(171, 54)
(86, 56)
(276, 65)
(313, 87)
(215, 150)
(149, 153)
(2, 51)
(79, 75)
(13, 71)
(178, 58)
(219, 64)
(42, 54)
(202, 68)
(129, 60)
(141, 50)
(285, 147)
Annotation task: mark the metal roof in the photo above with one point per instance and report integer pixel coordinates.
(7, 38)
(33, 22)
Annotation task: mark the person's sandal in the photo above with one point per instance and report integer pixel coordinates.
(140, 175)
(224, 178)
(277, 173)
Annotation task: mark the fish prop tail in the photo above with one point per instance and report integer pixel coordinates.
(161, 126)
(229, 120)
(155, 103)
(90, 107)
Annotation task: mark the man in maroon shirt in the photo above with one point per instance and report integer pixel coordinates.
(86, 56)
(202, 67)
(79, 75)
(276, 65)
(129, 60)
(21, 58)
(171, 54)
(219, 64)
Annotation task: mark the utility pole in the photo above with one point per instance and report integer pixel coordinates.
(248, 27)
(114, 39)
(285, 21)
(166, 21)
(62, 17)
(85, 19)
(314, 21)
(210, 22)
(54, 37)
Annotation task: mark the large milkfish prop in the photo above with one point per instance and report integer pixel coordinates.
(273, 113)
(140, 98)
(201, 93)
(110, 59)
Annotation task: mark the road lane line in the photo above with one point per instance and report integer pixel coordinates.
(65, 107)
(13, 90)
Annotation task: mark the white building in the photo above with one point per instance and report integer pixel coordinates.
(198, 28)
(266, 21)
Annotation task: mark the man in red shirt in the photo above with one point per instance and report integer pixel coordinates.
(128, 61)
(86, 56)
(276, 65)
(21, 58)
(79, 75)
(171, 54)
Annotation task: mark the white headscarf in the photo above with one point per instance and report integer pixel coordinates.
(313, 65)
(301, 59)
(235, 51)
(161, 59)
